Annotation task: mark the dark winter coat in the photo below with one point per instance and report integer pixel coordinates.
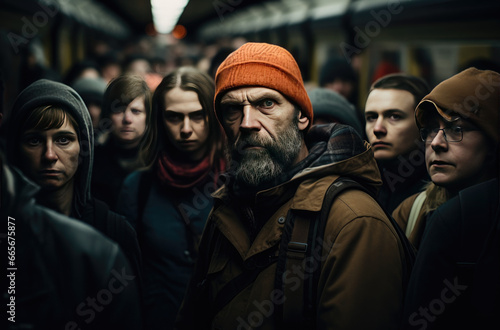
(165, 241)
(455, 281)
(64, 274)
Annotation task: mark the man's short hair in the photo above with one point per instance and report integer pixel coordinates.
(414, 85)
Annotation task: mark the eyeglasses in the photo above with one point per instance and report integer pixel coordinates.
(451, 134)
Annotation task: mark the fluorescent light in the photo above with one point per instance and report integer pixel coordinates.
(166, 14)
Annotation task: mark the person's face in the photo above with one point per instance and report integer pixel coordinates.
(456, 165)
(50, 157)
(390, 123)
(139, 67)
(90, 73)
(186, 122)
(110, 72)
(343, 87)
(263, 129)
(129, 124)
(95, 113)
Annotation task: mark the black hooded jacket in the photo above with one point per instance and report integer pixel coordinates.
(84, 207)
(46, 92)
(58, 265)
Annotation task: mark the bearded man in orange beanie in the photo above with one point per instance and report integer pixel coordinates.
(273, 254)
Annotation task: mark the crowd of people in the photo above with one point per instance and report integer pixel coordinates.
(236, 197)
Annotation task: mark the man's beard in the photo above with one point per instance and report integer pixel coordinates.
(255, 167)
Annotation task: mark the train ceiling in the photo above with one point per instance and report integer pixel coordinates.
(209, 19)
(137, 13)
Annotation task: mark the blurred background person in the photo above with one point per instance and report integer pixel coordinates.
(141, 65)
(218, 58)
(159, 65)
(331, 107)
(339, 76)
(393, 133)
(169, 203)
(83, 69)
(34, 65)
(136, 64)
(109, 66)
(127, 104)
(92, 92)
(388, 65)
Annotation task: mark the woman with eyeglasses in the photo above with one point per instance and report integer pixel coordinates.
(454, 282)
(458, 123)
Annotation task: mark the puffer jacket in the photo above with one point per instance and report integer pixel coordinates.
(360, 285)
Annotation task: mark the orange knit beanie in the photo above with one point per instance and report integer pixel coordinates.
(263, 65)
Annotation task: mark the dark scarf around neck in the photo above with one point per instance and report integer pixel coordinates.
(183, 174)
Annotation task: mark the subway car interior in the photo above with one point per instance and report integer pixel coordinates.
(432, 39)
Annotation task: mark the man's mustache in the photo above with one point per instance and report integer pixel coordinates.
(249, 141)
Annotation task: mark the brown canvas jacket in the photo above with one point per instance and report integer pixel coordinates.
(360, 285)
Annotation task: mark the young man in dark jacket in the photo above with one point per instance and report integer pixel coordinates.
(393, 133)
(277, 170)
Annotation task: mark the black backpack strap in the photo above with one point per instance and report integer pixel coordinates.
(297, 250)
(302, 232)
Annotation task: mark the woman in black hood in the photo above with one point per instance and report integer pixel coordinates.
(50, 139)
(47, 106)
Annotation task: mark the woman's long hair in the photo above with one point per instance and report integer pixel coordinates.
(188, 79)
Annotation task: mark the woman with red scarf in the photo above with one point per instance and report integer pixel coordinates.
(168, 204)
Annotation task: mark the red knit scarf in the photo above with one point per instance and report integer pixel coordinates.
(181, 174)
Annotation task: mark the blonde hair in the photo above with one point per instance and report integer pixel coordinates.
(436, 196)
